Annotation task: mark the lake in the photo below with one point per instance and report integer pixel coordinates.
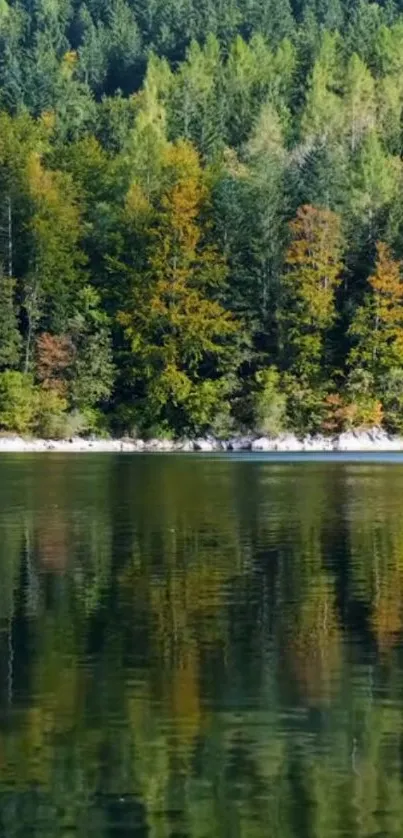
(201, 646)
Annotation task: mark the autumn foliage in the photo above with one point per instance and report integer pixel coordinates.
(209, 211)
(179, 331)
(313, 269)
(54, 355)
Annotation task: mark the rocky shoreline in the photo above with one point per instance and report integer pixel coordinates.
(375, 440)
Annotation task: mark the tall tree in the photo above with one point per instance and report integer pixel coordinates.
(377, 328)
(10, 336)
(359, 102)
(56, 257)
(312, 274)
(179, 333)
(322, 118)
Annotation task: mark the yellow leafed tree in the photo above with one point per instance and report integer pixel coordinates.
(179, 332)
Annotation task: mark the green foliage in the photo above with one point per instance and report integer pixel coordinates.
(363, 408)
(75, 423)
(306, 405)
(377, 330)
(313, 273)
(180, 335)
(17, 401)
(365, 413)
(192, 197)
(269, 403)
(392, 399)
(10, 336)
(50, 414)
(92, 373)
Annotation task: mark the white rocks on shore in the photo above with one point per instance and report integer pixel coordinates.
(373, 440)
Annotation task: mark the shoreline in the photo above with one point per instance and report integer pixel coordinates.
(375, 440)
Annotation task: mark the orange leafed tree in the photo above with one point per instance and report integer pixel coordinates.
(387, 285)
(378, 323)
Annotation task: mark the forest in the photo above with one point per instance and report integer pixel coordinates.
(201, 216)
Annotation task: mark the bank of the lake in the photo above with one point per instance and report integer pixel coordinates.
(375, 439)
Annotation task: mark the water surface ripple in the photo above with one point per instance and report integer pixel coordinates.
(201, 646)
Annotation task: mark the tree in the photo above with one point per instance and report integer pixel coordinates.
(292, 107)
(56, 257)
(10, 337)
(17, 401)
(377, 328)
(390, 107)
(312, 274)
(54, 357)
(264, 224)
(359, 102)
(273, 21)
(374, 188)
(180, 336)
(362, 35)
(92, 373)
(196, 111)
(323, 115)
(145, 144)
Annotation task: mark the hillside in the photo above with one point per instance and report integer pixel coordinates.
(201, 216)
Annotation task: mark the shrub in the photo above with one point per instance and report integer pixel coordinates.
(363, 408)
(366, 412)
(334, 419)
(50, 414)
(269, 404)
(17, 401)
(207, 407)
(392, 398)
(125, 421)
(305, 406)
(81, 422)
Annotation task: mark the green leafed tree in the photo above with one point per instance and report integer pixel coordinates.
(56, 257)
(10, 335)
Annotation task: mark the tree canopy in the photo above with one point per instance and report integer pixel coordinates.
(206, 209)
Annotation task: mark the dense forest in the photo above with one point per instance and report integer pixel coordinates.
(201, 216)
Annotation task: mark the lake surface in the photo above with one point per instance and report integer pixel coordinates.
(200, 647)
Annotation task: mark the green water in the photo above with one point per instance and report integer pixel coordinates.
(194, 647)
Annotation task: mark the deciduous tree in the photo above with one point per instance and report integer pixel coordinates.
(312, 274)
(180, 335)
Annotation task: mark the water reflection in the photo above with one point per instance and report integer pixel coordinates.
(195, 647)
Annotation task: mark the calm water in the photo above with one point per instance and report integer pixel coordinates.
(200, 647)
